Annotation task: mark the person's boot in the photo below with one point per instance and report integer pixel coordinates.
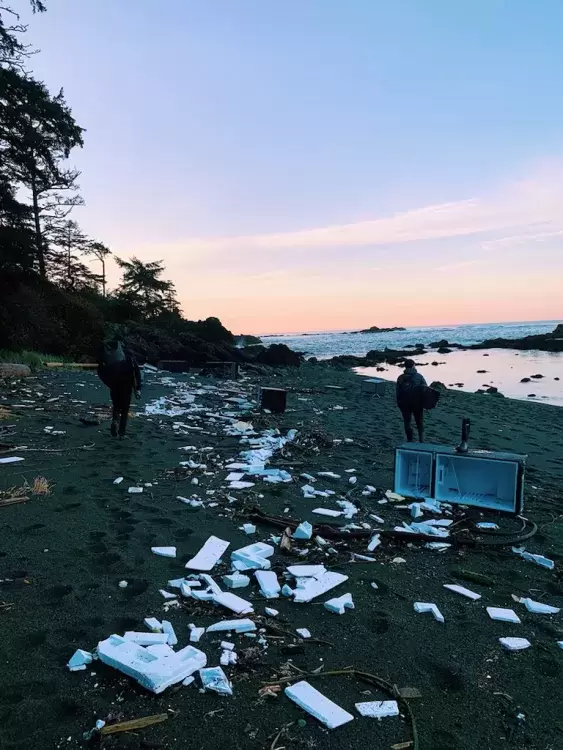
(410, 435)
(123, 425)
(113, 428)
(420, 436)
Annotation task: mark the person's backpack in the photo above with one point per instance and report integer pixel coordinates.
(430, 397)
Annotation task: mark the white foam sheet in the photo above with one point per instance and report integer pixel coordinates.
(235, 603)
(11, 460)
(238, 626)
(315, 703)
(269, 584)
(319, 585)
(327, 512)
(164, 551)
(539, 608)
(378, 709)
(514, 644)
(306, 571)
(154, 672)
(209, 555)
(146, 639)
(503, 615)
(424, 607)
(462, 591)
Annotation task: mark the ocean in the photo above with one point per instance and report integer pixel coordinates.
(505, 368)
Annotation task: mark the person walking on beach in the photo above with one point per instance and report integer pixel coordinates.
(410, 400)
(118, 369)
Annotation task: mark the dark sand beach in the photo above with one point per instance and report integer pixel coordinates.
(65, 554)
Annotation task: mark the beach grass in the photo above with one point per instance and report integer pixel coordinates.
(34, 360)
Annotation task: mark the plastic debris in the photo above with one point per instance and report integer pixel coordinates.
(168, 630)
(340, 604)
(135, 490)
(394, 496)
(514, 644)
(238, 626)
(118, 480)
(254, 556)
(306, 571)
(213, 678)
(153, 624)
(271, 612)
(374, 542)
(248, 528)
(424, 607)
(319, 585)
(539, 608)
(269, 584)
(236, 581)
(233, 602)
(209, 555)
(133, 725)
(327, 512)
(316, 704)
(328, 474)
(487, 525)
(287, 590)
(164, 551)
(415, 510)
(188, 681)
(375, 518)
(398, 560)
(167, 594)
(11, 460)
(378, 709)
(303, 531)
(504, 615)
(353, 480)
(123, 584)
(462, 590)
(153, 672)
(543, 562)
(145, 639)
(349, 508)
(195, 634)
(303, 632)
(79, 660)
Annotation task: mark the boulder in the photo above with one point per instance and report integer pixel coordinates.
(9, 370)
(438, 386)
(444, 350)
(525, 380)
(279, 355)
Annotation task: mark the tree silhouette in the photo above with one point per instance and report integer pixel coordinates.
(142, 286)
(101, 252)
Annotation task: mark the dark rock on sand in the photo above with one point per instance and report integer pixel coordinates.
(444, 350)
(481, 372)
(279, 355)
(438, 386)
(532, 395)
(525, 380)
(375, 329)
(537, 377)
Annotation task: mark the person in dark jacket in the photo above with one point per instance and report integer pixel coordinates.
(118, 369)
(410, 400)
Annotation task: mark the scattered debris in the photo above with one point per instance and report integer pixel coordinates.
(130, 726)
(378, 709)
(316, 704)
(514, 644)
(209, 555)
(340, 604)
(79, 660)
(164, 551)
(503, 615)
(540, 560)
(213, 678)
(463, 591)
(424, 607)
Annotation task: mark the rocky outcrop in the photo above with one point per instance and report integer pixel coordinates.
(375, 329)
(543, 342)
(279, 355)
(9, 370)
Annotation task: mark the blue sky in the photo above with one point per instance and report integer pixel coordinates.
(313, 164)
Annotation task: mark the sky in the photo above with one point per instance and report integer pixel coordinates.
(322, 164)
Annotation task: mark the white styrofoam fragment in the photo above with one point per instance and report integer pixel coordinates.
(211, 583)
(167, 594)
(514, 644)
(176, 583)
(269, 584)
(306, 571)
(375, 518)
(241, 485)
(363, 558)
(190, 501)
(394, 496)
(168, 629)
(487, 525)
(238, 626)
(164, 551)
(462, 590)
(303, 632)
(415, 510)
(236, 581)
(271, 612)
(287, 590)
(188, 681)
(424, 607)
(226, 646)
(224, 659)
(11, 460)
(153, 624)
(339, 604)
(560, 644)
(440, 546)
(209, 555)
(504, 615)
(153, 672)
(378, 709)
(543, 562)
(319, 585)
(327, 512)
(538, 608)
(145, 639)
(233, 602)
(79, 660)
(118, 480)
(135, 490)
(195, 634)
(252, 556)
(353, 480)
(235, 476)
(316, 704)
(374, 542)
(303, 531)
(213, 678)
(328, 474)
(248, 528)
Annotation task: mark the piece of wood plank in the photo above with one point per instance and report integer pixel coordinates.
(131, 726)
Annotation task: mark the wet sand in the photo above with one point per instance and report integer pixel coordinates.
(67, 552)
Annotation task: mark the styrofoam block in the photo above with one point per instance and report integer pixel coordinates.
(135, 490)
(339, 604)
(415, 510)
(327, 512)
(235, 476)
(303, 632)
(504, 615)
(195, 634)
(153, 624)
(241, 485)
(328, 474)
(209, 555)
(514, 644)
(271, 612)
(233, 602)
(176, 583)
(248, 562)
(238, 626)
(212, 585)
(487, 525)
(11, 460)
(306, 571)
(236, 581)
(213, 678)
(226, 646)
(378, 709)
(118, 480)
(153, 672)
(79, 660)
(374, 542)
(303, 531)
(543, 562)
(539, 608)
(318, 586)
(252, 556)
(316, 704)
(164, 551)
(269, 584)
(424, 607)
(248, 528)
(287, 590)
(167, 594)
(463, 591)
(145, 639)
(160, 649)
(202, 596)
(168, 630)
(224, 659)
